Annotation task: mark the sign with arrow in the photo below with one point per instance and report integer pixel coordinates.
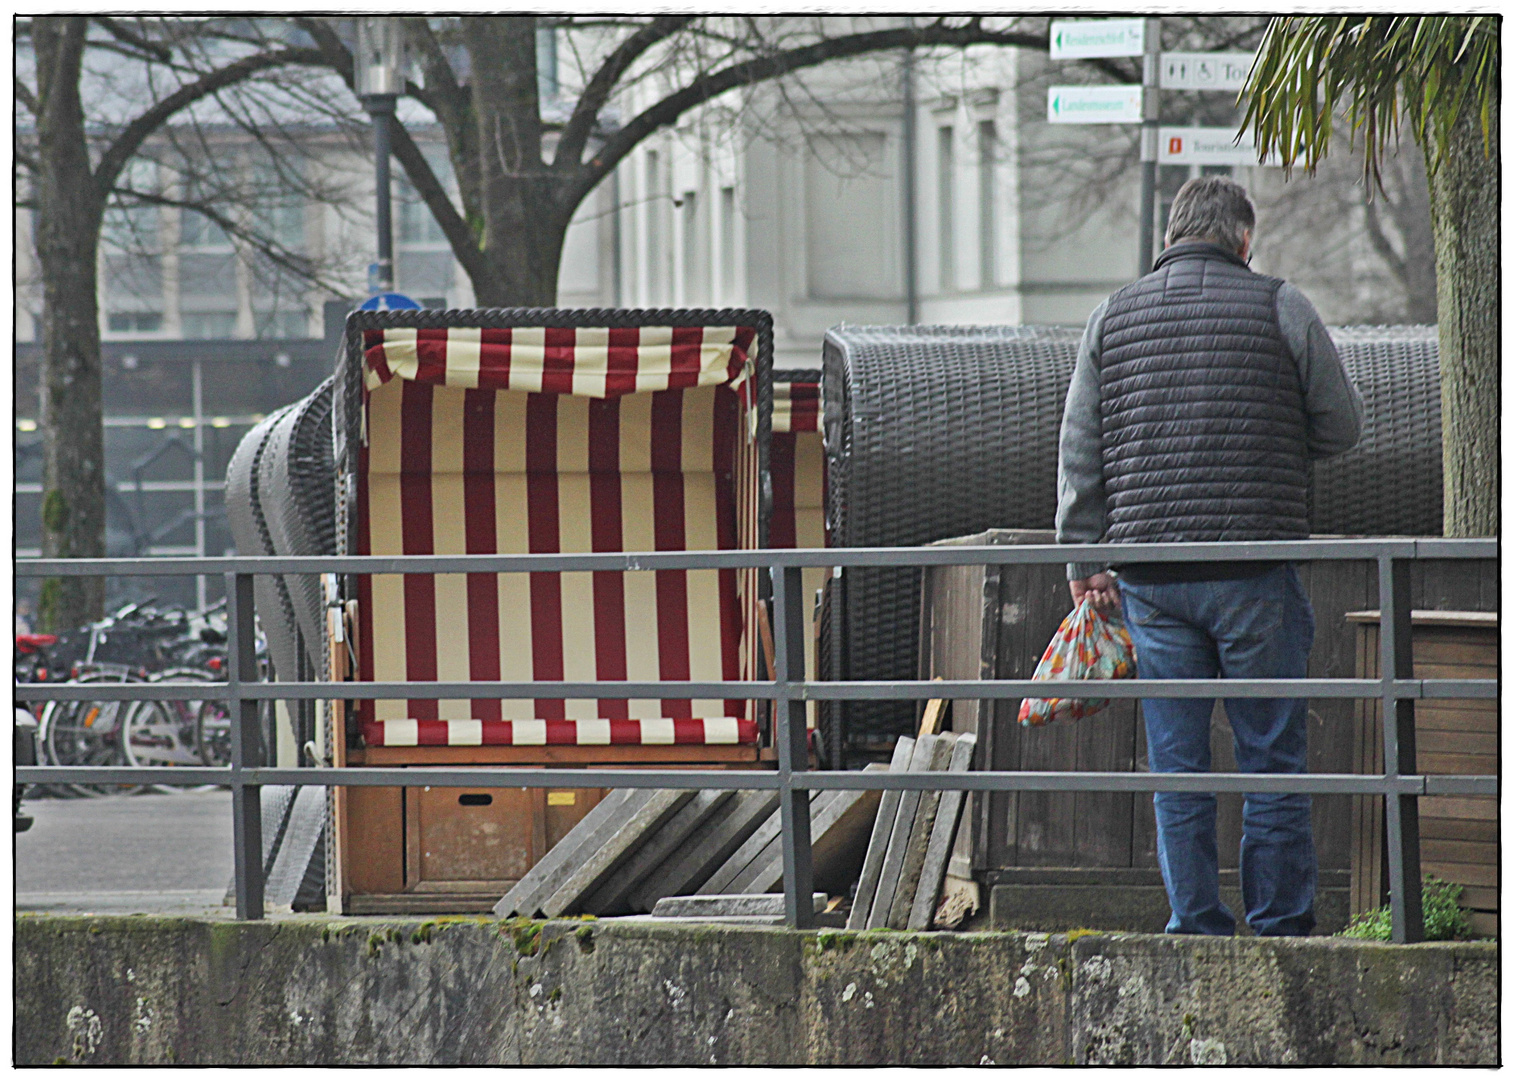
(1093, 105)
(1088, 39)
(1205, 71)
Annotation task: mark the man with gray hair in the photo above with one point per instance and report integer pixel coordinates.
(1200, 394)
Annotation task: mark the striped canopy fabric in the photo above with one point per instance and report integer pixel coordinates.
(796, 458)
(453, 462)
(599, 362)
(796, 406)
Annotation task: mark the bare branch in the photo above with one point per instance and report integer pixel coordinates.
(457, 231)
(26, 97)
(127, 36)
(758, 69)
(570, 147)
(135, 133)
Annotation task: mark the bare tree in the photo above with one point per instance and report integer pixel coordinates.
(522, 175)
(92, 94)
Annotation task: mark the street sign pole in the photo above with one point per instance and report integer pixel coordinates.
(1151, 112)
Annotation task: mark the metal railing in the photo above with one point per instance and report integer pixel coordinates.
(1400, 784)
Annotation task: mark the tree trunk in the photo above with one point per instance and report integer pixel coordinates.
(523, 223)
(67, 233)
(1464, 207)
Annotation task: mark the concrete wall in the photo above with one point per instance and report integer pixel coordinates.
(157, 990)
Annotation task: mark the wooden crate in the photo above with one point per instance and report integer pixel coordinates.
(422, 850)
(1458, 834)
(993, 622)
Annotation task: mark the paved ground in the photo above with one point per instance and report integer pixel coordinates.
(122, 854)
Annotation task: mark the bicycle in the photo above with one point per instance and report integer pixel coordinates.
(89, 732)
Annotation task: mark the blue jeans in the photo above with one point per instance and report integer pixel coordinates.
(1236, 628)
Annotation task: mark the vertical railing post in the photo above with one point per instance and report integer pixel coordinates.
(1401, 810)
(793, 748)
(246, 799)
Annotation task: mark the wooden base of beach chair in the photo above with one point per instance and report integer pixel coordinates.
(428, 850)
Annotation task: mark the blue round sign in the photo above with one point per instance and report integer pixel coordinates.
(389, 301)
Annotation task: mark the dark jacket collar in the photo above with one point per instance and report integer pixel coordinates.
(1196, 249)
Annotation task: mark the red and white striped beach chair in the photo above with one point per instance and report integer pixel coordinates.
(514, 431)
(797, 463)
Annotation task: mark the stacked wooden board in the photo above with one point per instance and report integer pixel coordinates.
(639, 846)
(1458, 834)
(913, 834)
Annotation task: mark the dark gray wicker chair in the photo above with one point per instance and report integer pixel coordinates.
(940, 431)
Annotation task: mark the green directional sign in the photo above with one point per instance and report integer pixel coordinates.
(1093, 105)
(1086, 39)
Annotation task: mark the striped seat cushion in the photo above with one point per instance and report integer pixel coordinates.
(459, 459)
(709, 731)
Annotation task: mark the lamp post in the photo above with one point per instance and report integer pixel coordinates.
(378, 76)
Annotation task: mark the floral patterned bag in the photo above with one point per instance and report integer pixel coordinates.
(1090, 644)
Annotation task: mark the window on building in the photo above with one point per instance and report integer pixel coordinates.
(208, 324)
(546, 62)
(134, 322)
(694, 277)
(988, 217)
(286, 322)
(851, 217)
(657, 252)
(946, 218)
(728, 245)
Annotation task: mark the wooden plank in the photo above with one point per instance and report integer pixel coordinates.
(942, 837)
(373, 854)
(1481, 807)
(1447, 670)
(841, 811)
(1458, 764)
(1435, 849)
(1481, 897)
(721, 833)
(1483, 923)
(594, 867)
(1462, 873)
(930, 718)
(904, 820)
(877, 847)
(553, 868)
(612, 897)
(1456, 742)
(1103, 820)
(765, 842)
(1469, 718)
(919, 838)
(1444, 828)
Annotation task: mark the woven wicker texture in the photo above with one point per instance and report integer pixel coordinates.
(299, 503)
(939, 431)
(248, 523)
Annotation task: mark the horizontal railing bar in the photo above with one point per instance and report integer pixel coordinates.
(917, 690)
(514, 776)
(1002, 554)
(1461, 785)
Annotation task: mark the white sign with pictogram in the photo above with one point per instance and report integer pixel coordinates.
(1089, 39)
(1204, 71)
(1206, 146)
(1093, 105)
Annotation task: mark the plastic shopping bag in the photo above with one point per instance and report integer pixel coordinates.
(1090, 644)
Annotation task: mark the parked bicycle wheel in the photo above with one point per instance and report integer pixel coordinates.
(164, 733)
(88, 733)
(213, 731)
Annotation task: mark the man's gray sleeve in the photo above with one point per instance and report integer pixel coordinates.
(1080, 454)
(1332, 403)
